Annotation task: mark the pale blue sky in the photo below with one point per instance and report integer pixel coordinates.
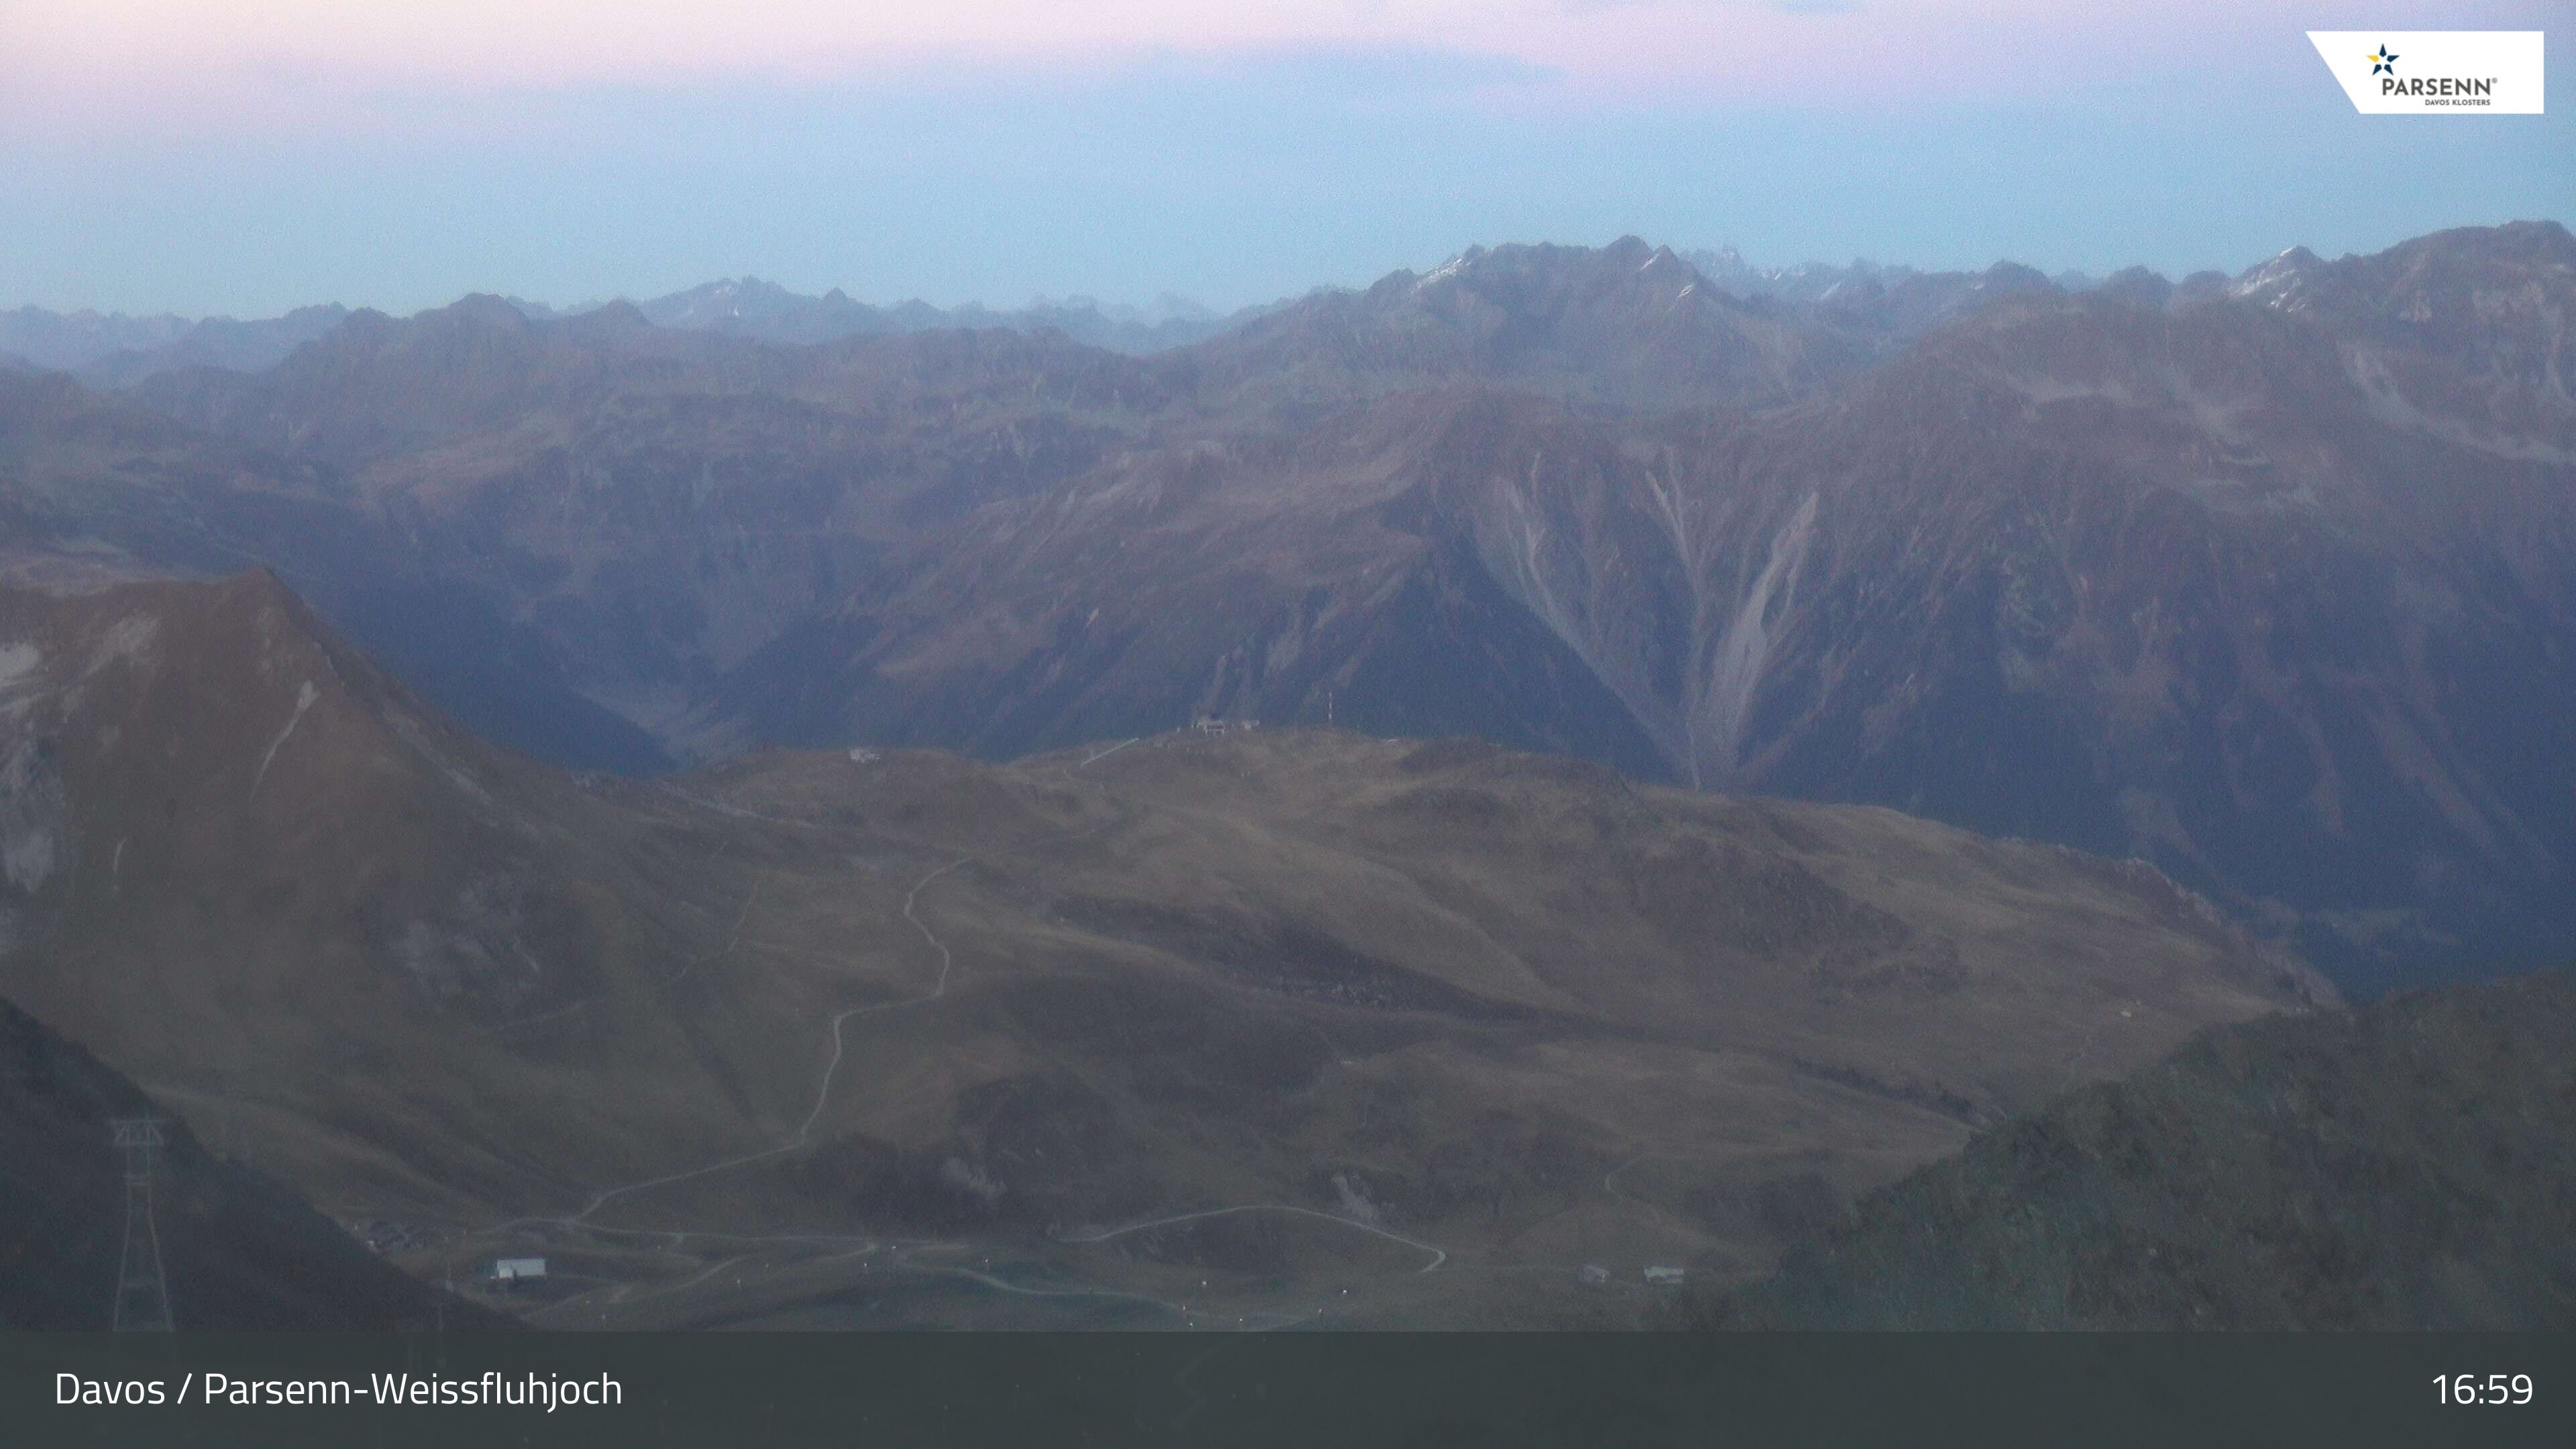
(1227, 174)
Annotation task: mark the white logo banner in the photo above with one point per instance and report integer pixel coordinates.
(2435, 72)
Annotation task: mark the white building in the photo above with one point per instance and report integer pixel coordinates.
(511, 1270)
(1664, 1276)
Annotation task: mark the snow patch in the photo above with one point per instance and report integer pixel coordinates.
(1443, 272)
(1354, 1196)
(34, 807)
(130, 638)
(965, 1177)
(19, 682)
(305, 694)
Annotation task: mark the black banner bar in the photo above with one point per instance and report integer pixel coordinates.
(1348, 1391)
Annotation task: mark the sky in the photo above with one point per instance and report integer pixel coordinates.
(246, 157)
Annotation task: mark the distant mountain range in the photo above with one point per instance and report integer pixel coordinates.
(1823, 282)
(766, 312)
(2262, 579)
(116, 350)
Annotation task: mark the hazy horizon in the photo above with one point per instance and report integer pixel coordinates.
(285, 154)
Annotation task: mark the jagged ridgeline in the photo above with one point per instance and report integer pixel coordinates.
(2259, 579)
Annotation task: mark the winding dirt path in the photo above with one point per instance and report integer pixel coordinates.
(802, 1136)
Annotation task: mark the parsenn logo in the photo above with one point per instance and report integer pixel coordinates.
(2448, 72)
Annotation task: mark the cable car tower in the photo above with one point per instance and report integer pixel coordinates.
(142, 1289)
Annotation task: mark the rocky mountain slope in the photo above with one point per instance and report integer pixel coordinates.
(1194, 1024)
(2270, 594)
(2401, 1167)
(2262, 580)
(560, 526)
(240, 1251)
(626, 513)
